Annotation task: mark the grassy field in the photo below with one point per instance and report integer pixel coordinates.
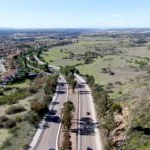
(3, 135)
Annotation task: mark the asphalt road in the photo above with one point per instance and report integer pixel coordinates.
(88, 135)
(49, 138)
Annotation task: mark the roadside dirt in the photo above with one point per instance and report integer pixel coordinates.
(121, 122)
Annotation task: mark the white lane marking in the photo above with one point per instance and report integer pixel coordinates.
(61, 122)
(79, 115)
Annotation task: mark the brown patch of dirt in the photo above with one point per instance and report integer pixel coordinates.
(121, 122)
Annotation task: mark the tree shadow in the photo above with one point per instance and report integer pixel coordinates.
(84, 92)
(87, 126)
(54, 103)
(146, 131)
(61, 92)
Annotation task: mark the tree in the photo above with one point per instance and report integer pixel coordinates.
(40, 108)
(73, 85)
(66, 120)
(47, 99)
(25, 62)
(67, 115)
(66, 144)
(68, 106)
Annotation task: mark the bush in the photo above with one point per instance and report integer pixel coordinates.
(15, 109)
(118, 83)
(9, 124)
(111, 73)
(116, 107)
(13, 97)
(40, 108)
(66, 144)
(1, 93)
(110, 86)
(47, 99)
(32, 118)
(32, 90)
(120, 92)
(3, 118)
(104, 70)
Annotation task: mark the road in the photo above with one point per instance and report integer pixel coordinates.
(88, 132)
(50, 135)
(41, 62)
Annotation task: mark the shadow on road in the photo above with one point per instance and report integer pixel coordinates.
(54, 103)
(81, 85)
(84, 92)
(87, 126)
(61, 92)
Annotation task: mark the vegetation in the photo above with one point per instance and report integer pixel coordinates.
(13, 97)
(14, 109)
(66, 120)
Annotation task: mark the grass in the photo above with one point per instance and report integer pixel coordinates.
(21, 85)
(96, 67)
(4, 134)
(20, 137)
(13, 97)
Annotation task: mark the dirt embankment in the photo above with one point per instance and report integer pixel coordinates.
(121, 122)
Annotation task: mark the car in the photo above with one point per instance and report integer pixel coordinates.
(51, 148)
(88, 148)
(88, 113)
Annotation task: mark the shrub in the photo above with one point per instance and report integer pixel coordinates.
(32, 90)
(116, 107)
(104, 70)
(1, 93)
(120, 92)
(13, 97)
(15, 109)
(3, 118)
(32, 118)
(111, 72)
(47, 99)
(66, 144)
(109, 86)
(118, 83)
(9, 124)
(40, 108)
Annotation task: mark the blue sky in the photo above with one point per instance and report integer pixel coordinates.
(74, 13)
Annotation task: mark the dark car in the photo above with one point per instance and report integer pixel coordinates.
(88, 113)
(88, 148)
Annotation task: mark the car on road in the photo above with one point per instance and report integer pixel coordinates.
(88, 113)
(51, 148)
(89, 148)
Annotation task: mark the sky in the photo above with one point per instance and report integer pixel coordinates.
(75, 13)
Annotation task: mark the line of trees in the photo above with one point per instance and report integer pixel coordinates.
(106, 108)
(68, 72)
(66, 121)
